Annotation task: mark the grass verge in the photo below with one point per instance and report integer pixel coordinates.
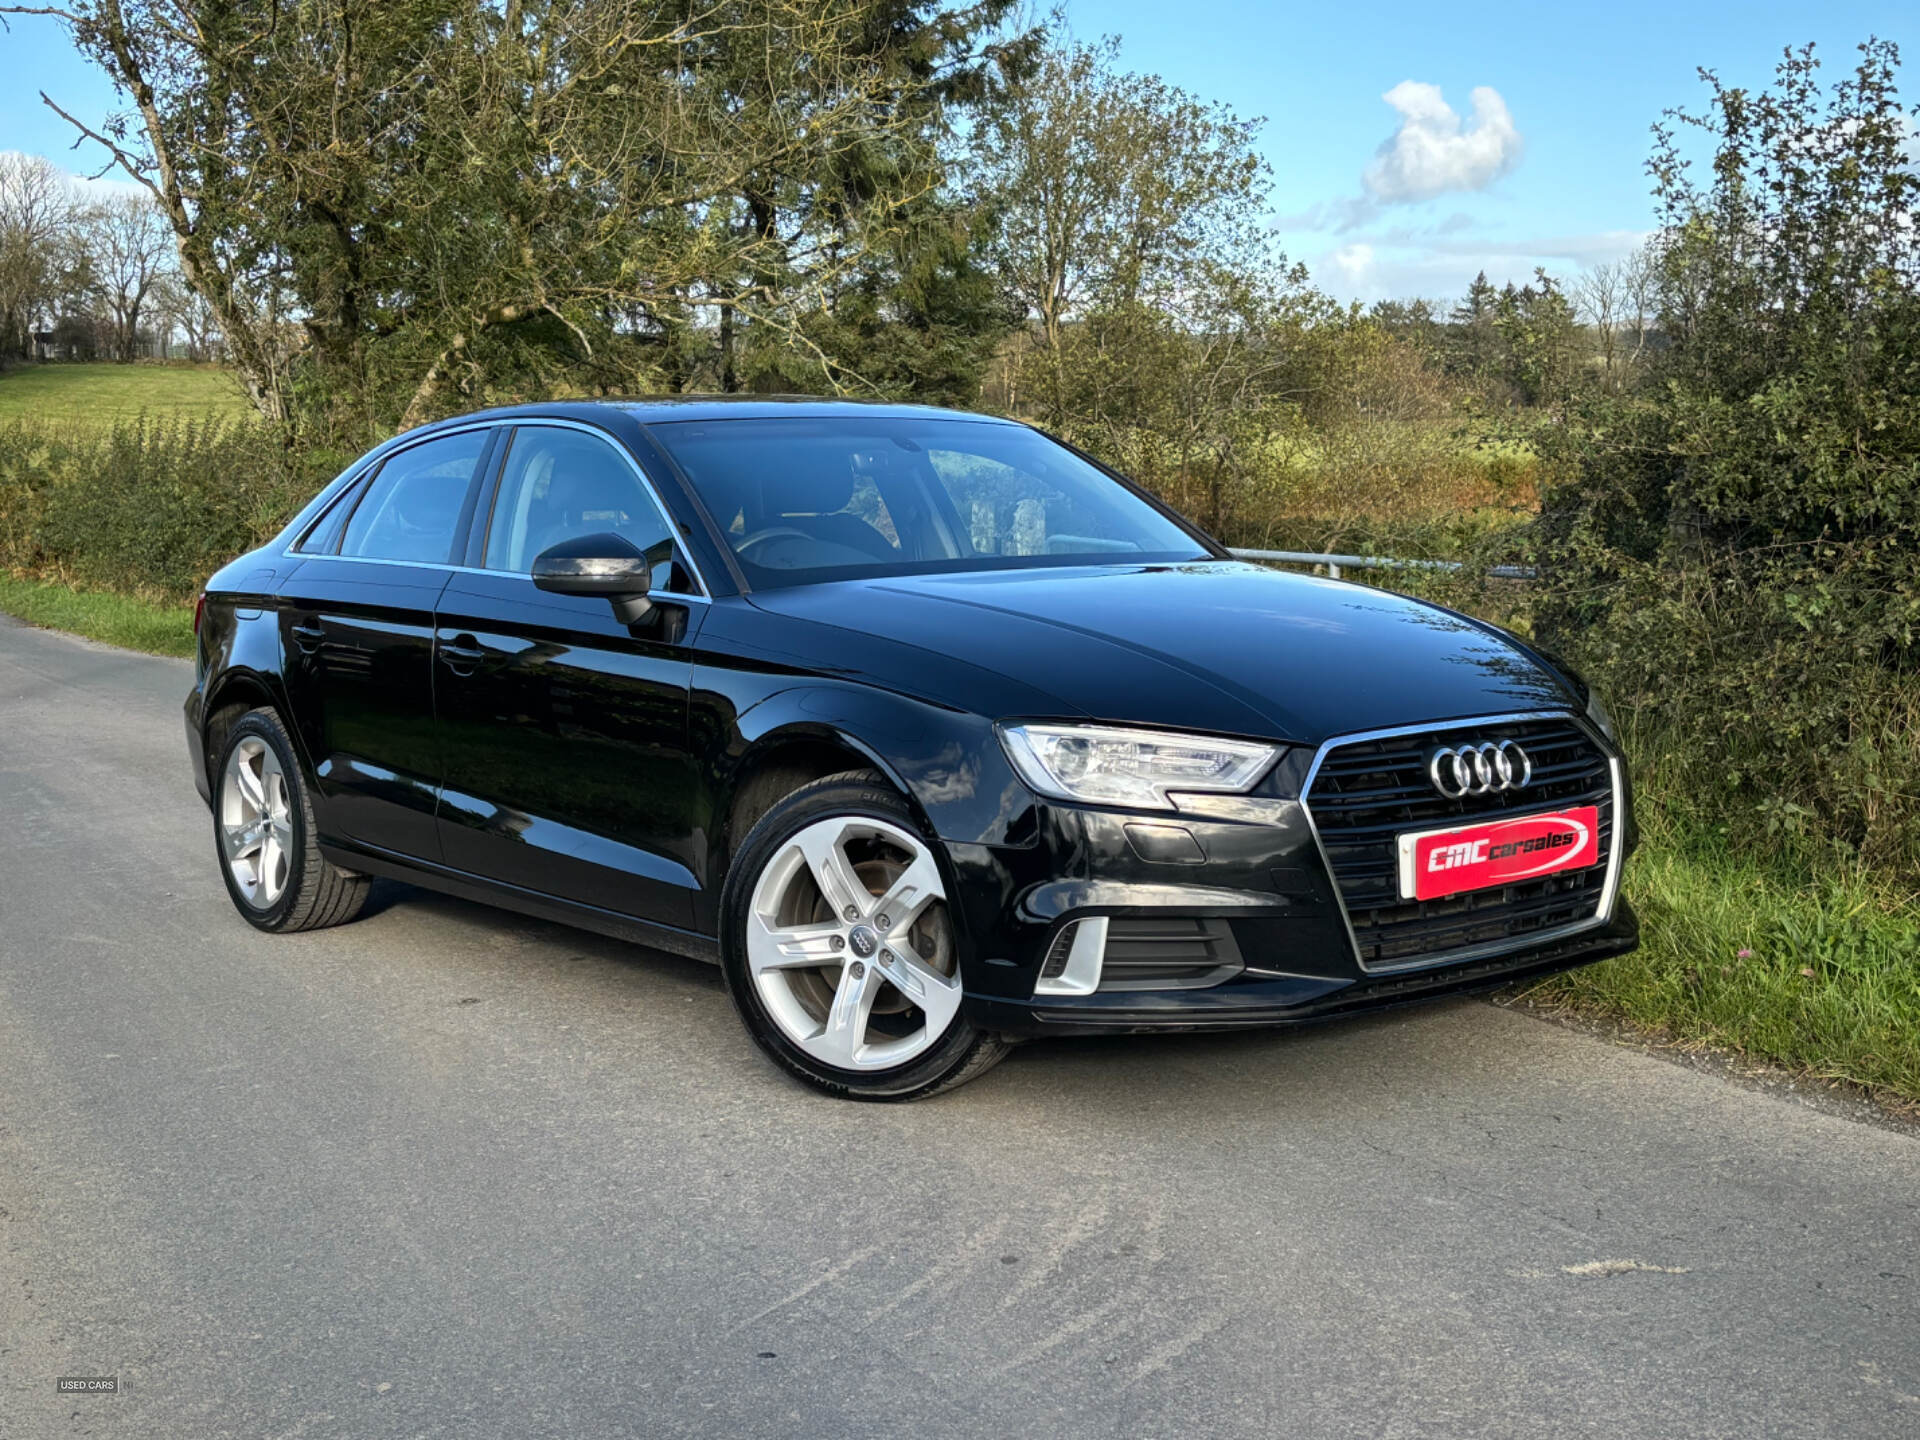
(116, 619)
(1820, 974)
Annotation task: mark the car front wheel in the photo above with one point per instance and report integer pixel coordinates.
(840, 950)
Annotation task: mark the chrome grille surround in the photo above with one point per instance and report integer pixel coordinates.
(1434, 733)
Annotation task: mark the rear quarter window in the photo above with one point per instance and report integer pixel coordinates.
(412, 507)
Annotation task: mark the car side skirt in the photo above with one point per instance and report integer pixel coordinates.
(463, 886)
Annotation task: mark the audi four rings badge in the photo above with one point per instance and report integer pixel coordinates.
(1458, 771)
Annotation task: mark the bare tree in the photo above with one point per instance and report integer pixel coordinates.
(132, 248)
(180, 309)
(1640, 285)
(1600, 295)
(36, 211)
(1617, 299)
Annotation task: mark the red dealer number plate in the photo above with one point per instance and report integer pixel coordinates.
(1498, 852)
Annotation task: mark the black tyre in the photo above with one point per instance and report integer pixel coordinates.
(839, 949)
(263, 833)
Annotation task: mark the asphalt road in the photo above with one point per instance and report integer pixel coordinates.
(450, 1172)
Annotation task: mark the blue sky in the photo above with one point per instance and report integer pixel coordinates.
(1551, 174)
(1581, 84)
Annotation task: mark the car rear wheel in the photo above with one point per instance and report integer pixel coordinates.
(264, 832)
(840, 949)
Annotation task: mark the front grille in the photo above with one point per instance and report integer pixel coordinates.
(1367, 793)
(1170, 953)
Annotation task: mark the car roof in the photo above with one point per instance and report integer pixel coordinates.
(666, 409)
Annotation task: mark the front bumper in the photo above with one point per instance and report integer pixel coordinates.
(1257, 875)
(1273, 1000)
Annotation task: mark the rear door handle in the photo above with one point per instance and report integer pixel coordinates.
(308, 637)
(462, 654)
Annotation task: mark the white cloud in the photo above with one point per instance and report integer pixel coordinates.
(1353, 265)
(103, 187)
(1434, 152)
(1400, 264)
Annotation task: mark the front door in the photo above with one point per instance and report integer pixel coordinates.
(356, 622)
(563, 733)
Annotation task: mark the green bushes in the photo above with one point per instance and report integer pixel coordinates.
(1733, 550)
(144, 507)
(1788, 716)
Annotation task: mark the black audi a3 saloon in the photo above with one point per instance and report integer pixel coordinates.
(931, 731)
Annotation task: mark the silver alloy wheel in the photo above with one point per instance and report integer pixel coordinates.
(256, 822)
(853, 958)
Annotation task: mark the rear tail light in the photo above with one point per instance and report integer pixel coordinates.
(199, 612)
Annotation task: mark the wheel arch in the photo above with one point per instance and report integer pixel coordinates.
(947, 762)
(232, 694)
(779, 761)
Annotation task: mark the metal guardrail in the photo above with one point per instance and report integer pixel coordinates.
(1336, 563)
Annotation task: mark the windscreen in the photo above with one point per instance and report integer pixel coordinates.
(810, 498)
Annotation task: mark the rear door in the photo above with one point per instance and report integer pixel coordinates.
(357, 632)
(566, 762)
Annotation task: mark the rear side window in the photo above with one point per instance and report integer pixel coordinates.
(322, 534)
(410, 510)
(561, 484)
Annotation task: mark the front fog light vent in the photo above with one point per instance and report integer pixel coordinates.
(1056, 965)
(1072, 966)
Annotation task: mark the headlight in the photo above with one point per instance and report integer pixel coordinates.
(1097, 764)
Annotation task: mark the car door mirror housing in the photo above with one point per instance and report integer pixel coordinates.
(607, 565)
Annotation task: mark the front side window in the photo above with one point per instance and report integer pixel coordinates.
(813, 498)
(410, 510)
(561, 484)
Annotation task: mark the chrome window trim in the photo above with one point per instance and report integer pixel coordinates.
(674, 595)
(319, 510)
(1465, 954)
(329, 494)
(705, 595)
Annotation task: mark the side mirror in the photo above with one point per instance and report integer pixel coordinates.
(610, 566)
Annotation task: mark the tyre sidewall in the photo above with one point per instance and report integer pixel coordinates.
(918, 1076)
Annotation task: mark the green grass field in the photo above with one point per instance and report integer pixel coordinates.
(102, 394)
